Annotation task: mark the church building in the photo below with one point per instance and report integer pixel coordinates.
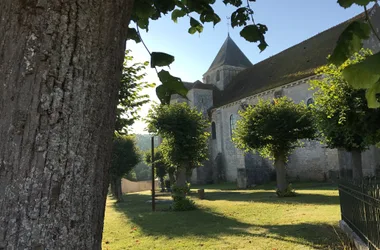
(232, 82)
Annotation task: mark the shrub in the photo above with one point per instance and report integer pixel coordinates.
(180, 202)
(288, 192)
(183, 204)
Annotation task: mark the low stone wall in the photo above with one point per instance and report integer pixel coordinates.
(128, 186)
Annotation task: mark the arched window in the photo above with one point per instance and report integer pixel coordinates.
(232, 123)
(213, 131)
(217, 75)
(309, 101)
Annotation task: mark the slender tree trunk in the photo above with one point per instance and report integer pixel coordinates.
(357, 169)
(279, 164)
(181, 179)
(171, 178)
(119, 191)
(60, 67)
(162, 182)
(116, 189)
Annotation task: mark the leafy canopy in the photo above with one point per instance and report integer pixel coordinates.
(364, 74)
(183, 130)
(125, 155)
(198, 12)
(130, 94)
(273, 129)
(341, 112)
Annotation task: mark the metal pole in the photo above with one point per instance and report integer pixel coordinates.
(153, 186)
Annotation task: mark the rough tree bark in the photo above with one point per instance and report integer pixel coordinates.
(279, 164)
(60, 66)
(357, 169)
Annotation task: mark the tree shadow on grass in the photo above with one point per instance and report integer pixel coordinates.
(204, 223)
(271, 197)
(271, 186)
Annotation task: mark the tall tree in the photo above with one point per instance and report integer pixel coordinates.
(60, 69)
(125, 157)
(183, 130)
(274, 129)
(131, 98)
(342, 114)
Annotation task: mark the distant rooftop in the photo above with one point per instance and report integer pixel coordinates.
(230, 54)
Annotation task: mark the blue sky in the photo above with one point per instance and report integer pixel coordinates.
(289, 22)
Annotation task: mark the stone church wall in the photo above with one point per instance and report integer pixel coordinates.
(313, 161)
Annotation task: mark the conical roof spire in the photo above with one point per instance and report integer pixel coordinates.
(230, 54)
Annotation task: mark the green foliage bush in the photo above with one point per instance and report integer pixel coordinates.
(341, 111)
(288, 192)
(183, 204)
(125, 155)
(183, 130)
(274, 128)
(180, 202)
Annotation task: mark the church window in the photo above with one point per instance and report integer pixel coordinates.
(217, 75)
(207, 79)
(232, 123)
(309, 101)
(213, 131)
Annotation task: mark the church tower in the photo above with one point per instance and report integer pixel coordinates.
(229, 61)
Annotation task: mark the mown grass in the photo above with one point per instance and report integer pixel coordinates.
(229, 219)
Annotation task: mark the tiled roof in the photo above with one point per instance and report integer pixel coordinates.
(292, 64)
(230, 54)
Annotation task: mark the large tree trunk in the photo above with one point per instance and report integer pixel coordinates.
(357, 169)
(60, 66)
(279, 164)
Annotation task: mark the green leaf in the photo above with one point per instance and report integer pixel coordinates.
(163, 94)
(132, 35)
(372, 95)
(177, 14)
(350, 41)
(172, 84)
(195, 26)
(209, 16)
(143, 24)
(143, 9)
(235, 3)
(160, 59)
(240, 16)
(255, 33)
(164, 6)
(364, 74)
(348, 3)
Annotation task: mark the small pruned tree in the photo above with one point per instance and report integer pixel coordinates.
(161, 168)
(184, 134)
(125, 157)
(342, 114)
(274, 129)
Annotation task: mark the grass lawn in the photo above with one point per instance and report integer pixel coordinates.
(229, 219)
